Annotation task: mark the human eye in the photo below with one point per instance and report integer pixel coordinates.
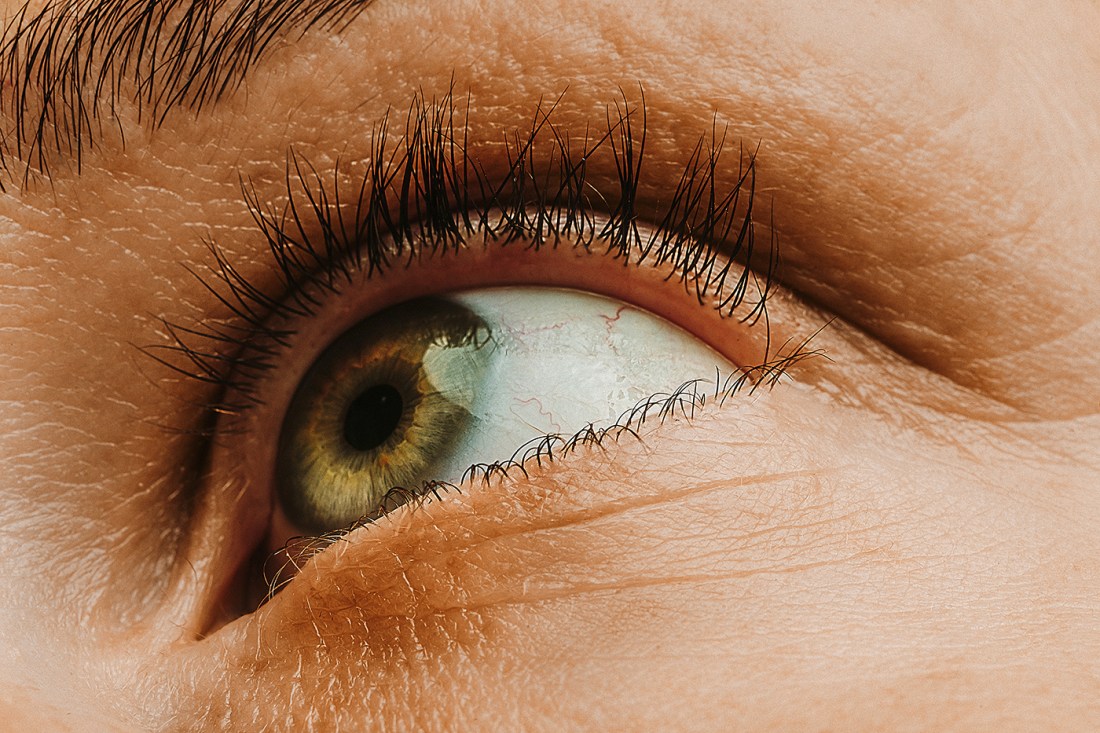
(902, 531)
(443, 324)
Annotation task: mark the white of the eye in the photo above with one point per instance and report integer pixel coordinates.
(563, 359)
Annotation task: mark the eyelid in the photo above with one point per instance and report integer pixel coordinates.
(423, 196)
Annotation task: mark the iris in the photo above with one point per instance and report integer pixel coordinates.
(378, 408)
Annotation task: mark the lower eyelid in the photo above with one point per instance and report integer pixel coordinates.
(466, 552)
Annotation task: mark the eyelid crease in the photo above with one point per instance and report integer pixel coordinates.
(426, 196)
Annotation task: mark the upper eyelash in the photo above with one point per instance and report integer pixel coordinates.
(426, 195)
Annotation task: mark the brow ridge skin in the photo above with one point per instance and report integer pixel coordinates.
(68, 62)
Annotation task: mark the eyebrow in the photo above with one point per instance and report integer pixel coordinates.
(68, 63)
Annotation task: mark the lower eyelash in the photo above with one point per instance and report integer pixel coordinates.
(280, 567)
(424, 196)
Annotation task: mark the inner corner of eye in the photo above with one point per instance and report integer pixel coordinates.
(420, 391)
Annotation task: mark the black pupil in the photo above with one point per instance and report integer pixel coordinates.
(372, 417)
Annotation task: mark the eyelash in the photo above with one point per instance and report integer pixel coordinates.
(425, 196)
(316, 247)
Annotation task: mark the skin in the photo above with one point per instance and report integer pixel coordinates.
(904, 536)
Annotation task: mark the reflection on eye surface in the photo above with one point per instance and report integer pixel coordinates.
(421, 391)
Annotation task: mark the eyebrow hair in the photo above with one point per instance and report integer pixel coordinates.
(66, 64)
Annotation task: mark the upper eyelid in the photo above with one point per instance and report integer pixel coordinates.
(426, 182)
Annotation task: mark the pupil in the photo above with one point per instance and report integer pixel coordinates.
(372, 417)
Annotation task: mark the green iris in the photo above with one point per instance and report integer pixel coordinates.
(378, 409)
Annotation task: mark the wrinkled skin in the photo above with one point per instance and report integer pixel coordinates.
(905, 536)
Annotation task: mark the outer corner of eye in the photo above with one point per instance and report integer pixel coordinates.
(419, 391)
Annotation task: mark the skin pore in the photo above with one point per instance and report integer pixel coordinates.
(901, 536)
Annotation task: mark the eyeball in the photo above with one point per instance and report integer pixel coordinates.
(422, 390)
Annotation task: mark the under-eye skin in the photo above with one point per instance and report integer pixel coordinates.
(363, 414)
